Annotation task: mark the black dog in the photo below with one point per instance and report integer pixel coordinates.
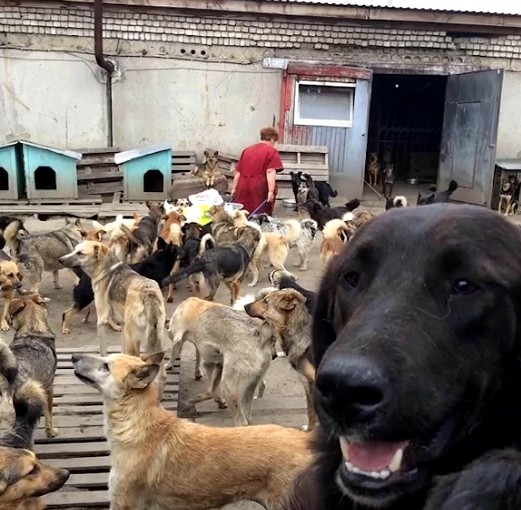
(325, 191)
(419, 405)
(322, 214)
(156, 267)
(438, 197)
(193, 232)
(296, 181)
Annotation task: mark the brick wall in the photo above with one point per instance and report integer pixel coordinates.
(248, 33)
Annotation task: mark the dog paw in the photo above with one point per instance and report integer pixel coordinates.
(5, 326)
(221, 404)
(198, 376)
(58, 287)
(281, 354)
(170, 300)
(66, 331)
(116, 328)
(304, 428)
(252, 284)
(303, 268)
(51, 432)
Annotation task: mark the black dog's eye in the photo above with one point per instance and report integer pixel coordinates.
(352, 278)
(464, 287)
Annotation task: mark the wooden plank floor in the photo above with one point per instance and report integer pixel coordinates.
(81, 446)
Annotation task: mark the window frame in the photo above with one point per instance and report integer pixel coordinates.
(299, 121)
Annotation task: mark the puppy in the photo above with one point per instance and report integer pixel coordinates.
(397, 201)
(277, 275)
(33, 347)
(373, 169)
(285, 311)
(296, 180)
(389, 176)
(10, 281)
(194, 467)
(322, 214)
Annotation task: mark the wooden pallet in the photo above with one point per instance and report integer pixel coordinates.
(183, 161)
(81, 446)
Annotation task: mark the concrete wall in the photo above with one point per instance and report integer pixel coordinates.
(509, 129)
(51, 98)
(194, 105)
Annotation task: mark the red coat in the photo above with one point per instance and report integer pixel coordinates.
(252, 188)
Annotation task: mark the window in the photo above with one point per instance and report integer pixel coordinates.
(324, 104)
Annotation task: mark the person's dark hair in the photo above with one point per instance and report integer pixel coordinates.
(269, 134)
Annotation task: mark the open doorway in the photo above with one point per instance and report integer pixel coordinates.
(406, 124)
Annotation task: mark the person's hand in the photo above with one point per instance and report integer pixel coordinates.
(271, 196)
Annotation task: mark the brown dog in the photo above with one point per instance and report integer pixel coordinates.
(336, 234)
(23, 478)
(10, 280)
(188, 466)
(286, 312)
(373, 169)
(172, 233)
(210, 167)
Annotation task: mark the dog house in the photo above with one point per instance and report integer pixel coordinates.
(49, 172)
(12, 184)
(147, 172)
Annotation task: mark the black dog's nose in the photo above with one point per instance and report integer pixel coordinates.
(351, 389)
(75, 358)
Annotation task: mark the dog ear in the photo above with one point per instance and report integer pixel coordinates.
(20, 276)
(182, 217)
(291, 299)
(216, 153)
(16, 306)
(100, 251)
(153, 359)
(142, 376)
(36, 298)
(137, 216)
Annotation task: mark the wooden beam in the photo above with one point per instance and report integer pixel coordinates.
(441, 20)
(329, 71)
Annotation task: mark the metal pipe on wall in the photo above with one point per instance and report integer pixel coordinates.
(105, 64)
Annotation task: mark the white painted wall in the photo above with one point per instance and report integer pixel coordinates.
(193, 105)
(51, 98)
(509, 129)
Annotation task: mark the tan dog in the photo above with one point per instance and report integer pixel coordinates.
(123, 295)
(285, 311)
(161, 462)
(335, 235)
(373, 169)
(23, 478)
(10, 280)
(210, 169)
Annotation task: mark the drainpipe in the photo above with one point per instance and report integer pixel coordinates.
(105, 64)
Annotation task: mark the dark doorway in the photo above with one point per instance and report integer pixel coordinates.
(44, 178)
(4, 179)
(153, 182)
(405, 123)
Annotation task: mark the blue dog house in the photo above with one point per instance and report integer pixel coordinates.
(12, 183)
(147, 172)
(49, 172)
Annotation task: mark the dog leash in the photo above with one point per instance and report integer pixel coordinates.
(258, 208)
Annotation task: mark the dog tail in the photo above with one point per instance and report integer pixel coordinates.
(11, 234)
(155, 318)
(8, 363)
(352, 204)
(207, 243)
(130, 236)
(453, 186)
(195, 267)
(294, 231)
(29, 401)
(332, 192)
(400, 201)
(335, 229)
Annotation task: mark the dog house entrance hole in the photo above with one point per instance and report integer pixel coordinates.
(44, 178)
(4, 179)
(153, 182)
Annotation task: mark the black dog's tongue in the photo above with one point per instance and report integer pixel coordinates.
(374, 455)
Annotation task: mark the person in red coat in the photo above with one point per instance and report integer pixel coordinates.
(254, 180)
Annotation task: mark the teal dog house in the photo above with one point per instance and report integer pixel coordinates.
(147, 172)
(12, 182)
(49, 172)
